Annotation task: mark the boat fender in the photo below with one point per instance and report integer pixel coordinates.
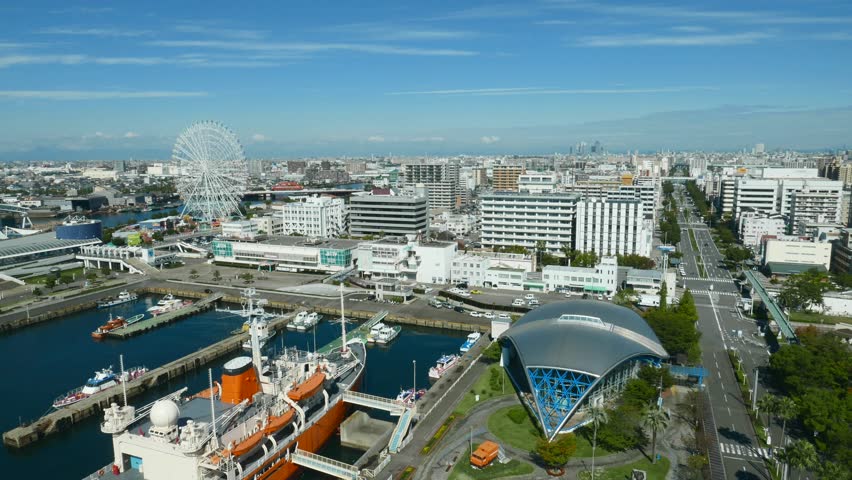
(101, 472)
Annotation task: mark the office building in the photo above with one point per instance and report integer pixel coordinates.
(534, 182)
(805, 252)
(288, 254)
(406, 258)
(612, 227)
(385, 211)
(441, 180)
(504, 178)
(316, 216)
(753, 226)
(492, 269)
(757, 195)
(523, 219)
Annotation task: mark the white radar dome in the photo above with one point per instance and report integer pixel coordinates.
(165, 413)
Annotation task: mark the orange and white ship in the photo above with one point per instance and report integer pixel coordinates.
(248, 425)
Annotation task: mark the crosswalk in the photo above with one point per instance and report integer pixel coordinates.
(708, 279)
(735, 449)
(708, 292)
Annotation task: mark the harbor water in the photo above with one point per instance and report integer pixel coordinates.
(47, 360)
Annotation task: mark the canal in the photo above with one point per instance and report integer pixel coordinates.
(44, 361)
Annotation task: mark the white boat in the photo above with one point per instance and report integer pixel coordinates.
(387, 334)
(264, 333)
(123, 297)
(471, 340)
(310, 322)
(408, 397)
(298, 320)
(374, 332)
(102, 380)
(168, 304)
(443, 365)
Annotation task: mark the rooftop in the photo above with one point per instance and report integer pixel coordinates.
(298, 241)
(40, 242)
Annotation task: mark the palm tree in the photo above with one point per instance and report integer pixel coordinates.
(801, 454)
(767, 404)
(655, 419)
(598, 416)
(785, 409)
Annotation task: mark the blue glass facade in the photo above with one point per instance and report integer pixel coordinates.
(556, 393)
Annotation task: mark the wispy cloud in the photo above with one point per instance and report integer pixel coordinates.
(489, 139)
(258, 137)
(310, 47)
(93, 94)
(397, 32)
(644, 40)
(190, 60)
(376, 139)
(81, 10)
(555, 22)
(487, 12)
(131, 135)
(691, 29)
(485, 92)
(215, 30)
(833, 36)
(94, 32)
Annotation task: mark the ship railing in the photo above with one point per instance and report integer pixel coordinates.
(374, 472)
(325, 465)
(99, 473)
(373, 401)
(221, 421)
(142, 412)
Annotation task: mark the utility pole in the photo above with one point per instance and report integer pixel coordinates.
(754, 390)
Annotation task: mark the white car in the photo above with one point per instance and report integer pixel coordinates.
(518, 302)
(464, 293)
(504, 316)
(455, 290)
(529, 296)
(474, 313)
(490, 315)
(532, 302)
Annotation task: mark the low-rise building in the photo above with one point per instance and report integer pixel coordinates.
(650, 281)
(240, 230)
(291, 254)
(316, 216)
(755, 225)
(796, 250)
(406, 258)
(600, 279)
(269, 224)
(492, 270)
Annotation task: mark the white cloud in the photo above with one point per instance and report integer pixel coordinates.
(258, 137)
(376, 139)
(380, 31)
(691, 29)
(488, 92)
(488, 140)
(428, 139)
(311, 47)
(92, 95)
(94, 32)
(191, 60)
(131, 135)
(642, 40)
(212, 29)
(488, 12)
(556, 22)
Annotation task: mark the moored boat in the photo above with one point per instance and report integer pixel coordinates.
(409, 396)
(102, 380)
(444, 364)
(297, 321)
(114, 324)
(123, 297)
(470, 341)
(309, 322)
(387, 334)
(168, 304)
(373, 335)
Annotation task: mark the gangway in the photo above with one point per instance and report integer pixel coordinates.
(324, 465)
(400, 430)
(774, 310)
(373, 401)
(183, 246)
(360, 333)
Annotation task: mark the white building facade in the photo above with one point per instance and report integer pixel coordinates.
(797, 251)
(523, 219)
(321, 217)
(600, 279)
(612, 227)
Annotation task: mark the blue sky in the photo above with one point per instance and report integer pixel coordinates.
(122, 79)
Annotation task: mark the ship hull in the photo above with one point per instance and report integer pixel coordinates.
(311, 440)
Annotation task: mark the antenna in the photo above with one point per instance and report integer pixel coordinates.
(212, 408)
(123, 380)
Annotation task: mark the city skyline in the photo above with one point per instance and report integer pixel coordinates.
(122, 81)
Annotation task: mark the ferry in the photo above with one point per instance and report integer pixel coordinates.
(102, 380)
(246, 425)
(387, 334)
(470, 342)
(408, 397)
(309, 322)
(444, 363)
(373, 335)
(168, 304)
(298, 320)
(123, 297)
(264, 333)
(116, 323)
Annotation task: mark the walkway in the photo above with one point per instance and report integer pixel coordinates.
(772, 307)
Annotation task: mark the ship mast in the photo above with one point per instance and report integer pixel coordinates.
(255, 341)
(343, 350)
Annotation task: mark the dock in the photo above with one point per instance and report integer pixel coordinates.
(360, 333)
(64, 418)
(143, 326)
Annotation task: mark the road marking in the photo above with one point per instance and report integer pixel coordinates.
(726, 399)
(719, 374)
(718, 325)
(729, 410)
(743, 450)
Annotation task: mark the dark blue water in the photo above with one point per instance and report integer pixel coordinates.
(110, 220)
(45, 361)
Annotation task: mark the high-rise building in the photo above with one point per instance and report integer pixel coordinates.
(759, 148)
(524, 219)
(322, 217)
(441, 180)
(120, 166)
(504, 178)
(612, 227)
(255, 167)
(384, 212)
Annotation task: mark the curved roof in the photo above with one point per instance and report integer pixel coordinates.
(582, 335)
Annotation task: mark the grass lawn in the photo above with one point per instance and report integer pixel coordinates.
(522, 436)
(464, 471)
(484, 389)
(811, 317)
(692, 240)
(655, 471)
(65, 273)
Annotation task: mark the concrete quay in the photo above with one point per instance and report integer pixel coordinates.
(66, 417)
(147, 324)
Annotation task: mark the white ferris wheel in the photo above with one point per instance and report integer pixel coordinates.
(213, 172)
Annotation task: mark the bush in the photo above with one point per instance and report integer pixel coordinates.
(517, 415)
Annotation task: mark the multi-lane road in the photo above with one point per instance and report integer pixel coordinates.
(720, 323)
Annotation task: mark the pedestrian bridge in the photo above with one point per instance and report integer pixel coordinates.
(325, 465)
(786, 330)
(373, 401)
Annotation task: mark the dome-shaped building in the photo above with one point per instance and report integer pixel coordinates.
(563, 356)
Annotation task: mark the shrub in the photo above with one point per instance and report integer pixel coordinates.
(517, 415)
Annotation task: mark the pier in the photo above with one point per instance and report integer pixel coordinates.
(64, 418)
(143, 326)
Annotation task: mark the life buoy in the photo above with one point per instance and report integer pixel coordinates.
(101, 472)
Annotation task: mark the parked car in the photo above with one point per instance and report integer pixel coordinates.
(459, 309)
(475, 313)
(490, 315)
(529, 296)
(476, 292)
(504, 316)
(532, 302)
(464, 293)
(518, 302)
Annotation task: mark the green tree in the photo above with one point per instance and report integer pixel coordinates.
(803, 290)
(216, 276)
(767, 404)
(247, 278)
(556, 454)
(37, 292)
(50, 281)
(598, 416)
(586, 259)
(119, 241)
(636, 261)
(802, 455)
(786, 409)
(656, 420)
(158, 236)
(193, 273)
(492, 352)
(686, 305)
(105, 270)
(625, 297)
(737, 254)
(664, 291)
(91, 276)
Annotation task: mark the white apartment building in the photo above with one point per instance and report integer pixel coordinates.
(316, 216)
(524, 219)
(457, 224)
(492, 270)
(269, 224)
(753, 226)
(756, 194)
(239, 229)
(600, 279)
(612, 227)
(796, 251)
(811, 200)
(441, 180)
(535, 182)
